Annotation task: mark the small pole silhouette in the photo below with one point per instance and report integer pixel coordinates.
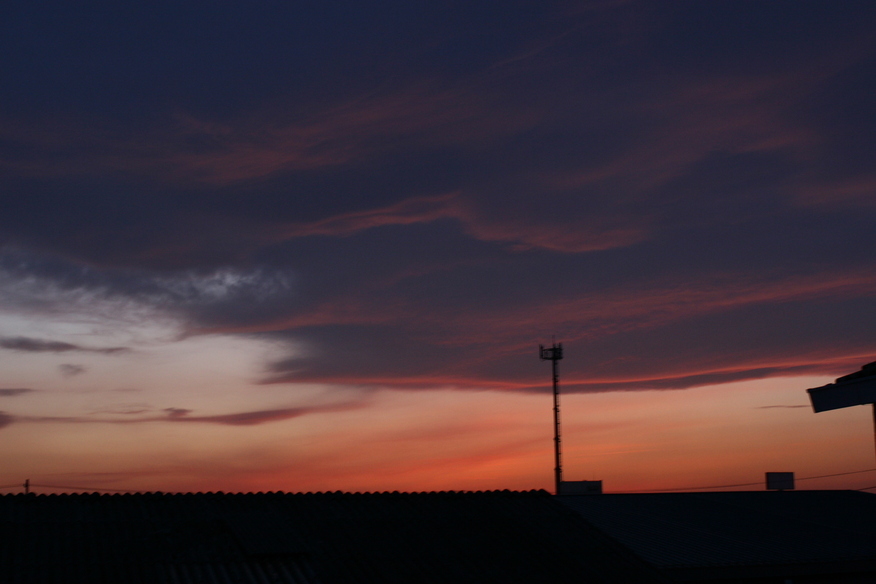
(26, 486)
(874, 422)
(553, 354)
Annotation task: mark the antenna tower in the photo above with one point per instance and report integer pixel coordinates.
(553, 354)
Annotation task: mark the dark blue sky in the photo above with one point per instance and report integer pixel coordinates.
(414, 194)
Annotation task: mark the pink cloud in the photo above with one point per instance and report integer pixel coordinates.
(405, 212)
(521, 234)
(599, 318)
(598, 314)
(260, 143)
(560, 237)
(681, 378)
(856, 192)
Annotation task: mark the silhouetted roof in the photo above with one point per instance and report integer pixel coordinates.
(701, 535)
(868, 370)
(306, 538)
(854, 389)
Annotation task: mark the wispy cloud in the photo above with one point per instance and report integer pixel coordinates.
(71, 369)
(856, 192)
(261, 416)
(31, 345)
(247, 418)
(10, 392)
(640, 211)
(174, 413)
(133, 409)
(406, 212)
(664, 325)
(190, 148)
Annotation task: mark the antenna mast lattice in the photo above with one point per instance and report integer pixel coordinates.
(553, 354)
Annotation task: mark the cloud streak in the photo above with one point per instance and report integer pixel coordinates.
(407, 212)
(676, 221)
(175, 415)
(12, 392)
(259, 214)
(71, 369)
(30, 345)
(492, 349)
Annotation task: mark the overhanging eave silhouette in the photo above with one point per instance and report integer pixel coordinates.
(856, 389)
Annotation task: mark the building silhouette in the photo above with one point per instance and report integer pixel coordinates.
(453, 537)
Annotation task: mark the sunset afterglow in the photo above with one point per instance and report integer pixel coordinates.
(260, 247)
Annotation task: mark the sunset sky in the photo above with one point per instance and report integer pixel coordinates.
(309, 246)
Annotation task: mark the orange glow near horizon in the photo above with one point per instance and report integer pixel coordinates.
(462, 440)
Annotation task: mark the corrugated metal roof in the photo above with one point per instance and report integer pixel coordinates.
(305, 538)
(678, 531)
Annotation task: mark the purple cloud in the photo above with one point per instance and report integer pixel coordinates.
(71, 370)
(174, 413)
(680, 203)
(6, 419)
(10, 392)
(248, 418)
(44, 346)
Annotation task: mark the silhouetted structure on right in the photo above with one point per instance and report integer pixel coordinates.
(751, 537)
(854, 389)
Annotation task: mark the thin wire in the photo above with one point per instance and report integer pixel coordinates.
(693, 488)
(839, 474)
